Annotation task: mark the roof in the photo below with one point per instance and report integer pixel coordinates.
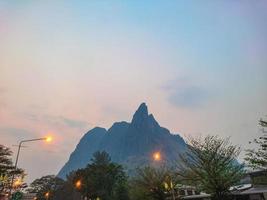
(255, 190)
(257, 172)
(185, 187)
(199, 196)
(240, 187)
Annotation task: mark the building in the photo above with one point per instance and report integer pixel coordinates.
(198, 197)
(254, 187)
(256, 192)
(29, 196)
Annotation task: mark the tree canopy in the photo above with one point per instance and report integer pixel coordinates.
(257, 158)
(211, 164)
(102, 179)
(7, 170)
(67, 191)
(46, 186)
(152, 184)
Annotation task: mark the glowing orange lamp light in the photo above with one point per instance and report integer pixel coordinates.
(48, 139)
(78, 184)
(157, 156)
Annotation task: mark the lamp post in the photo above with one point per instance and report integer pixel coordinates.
(157, 157)
(171, 184)
(78, 184)
(48, 139)
(47, 194)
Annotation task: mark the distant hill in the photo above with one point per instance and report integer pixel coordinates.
(130, 144)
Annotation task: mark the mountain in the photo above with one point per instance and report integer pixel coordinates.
(130, 144)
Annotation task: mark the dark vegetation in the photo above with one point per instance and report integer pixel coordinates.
(210, 165)
(7, 171)
(257, 158)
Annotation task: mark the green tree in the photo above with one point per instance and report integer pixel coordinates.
(7, 170)
(211, 164)
(67, 191)
(46, 187)
(102, 179)
(257, 158)
(151, 184)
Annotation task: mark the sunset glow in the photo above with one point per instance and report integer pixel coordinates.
(69, 66)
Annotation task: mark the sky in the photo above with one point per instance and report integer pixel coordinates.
(68, 66)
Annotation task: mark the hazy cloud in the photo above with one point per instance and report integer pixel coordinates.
(191, 96)
(16, 132)
(183, 93)
(60, 71)
(73, 123)
(2, 100)
(57, 120)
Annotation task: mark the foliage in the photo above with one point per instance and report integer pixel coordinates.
(102, 179)
(257, 158)
(49, 185)
(151, 184)
(260, 179)
(136, 192)
(7, 170)
(68, 190)
(211, 164)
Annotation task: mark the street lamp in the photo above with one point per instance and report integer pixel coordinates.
(172, 188)
(18, 182)
(157, 156)
(78, 184)
(47, 195)
(47, 139)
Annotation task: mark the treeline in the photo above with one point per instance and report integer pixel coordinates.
(210, 165)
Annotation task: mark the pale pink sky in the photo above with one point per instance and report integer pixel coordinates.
(66, 67)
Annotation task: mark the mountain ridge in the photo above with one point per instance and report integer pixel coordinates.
(129, 143)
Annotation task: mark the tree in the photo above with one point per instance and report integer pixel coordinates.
(7, 170)
(257, 158)
(68, 190)
(152, 184)
(102, 179)
(211, 164)
(46, 187)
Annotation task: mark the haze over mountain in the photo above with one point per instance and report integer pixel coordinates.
(130, 144)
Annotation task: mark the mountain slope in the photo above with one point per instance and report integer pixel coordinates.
(131, 144)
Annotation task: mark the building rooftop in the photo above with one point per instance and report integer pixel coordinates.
(255, 190)
(198, 196)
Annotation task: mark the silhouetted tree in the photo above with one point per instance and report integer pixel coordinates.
(102, 179)
(49, 184)
(7, 170)
(67, 191)
(151, 184)
(211, 164)
(257, 158)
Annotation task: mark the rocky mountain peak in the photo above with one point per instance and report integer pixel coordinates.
(140, 115)
(130, 144)
(142, 111)
(144, 121)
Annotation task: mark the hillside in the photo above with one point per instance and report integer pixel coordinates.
(130, 144)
